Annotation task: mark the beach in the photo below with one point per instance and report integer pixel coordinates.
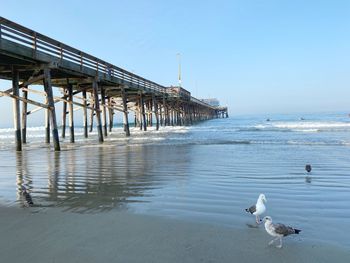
(180, 194)
(50, 235)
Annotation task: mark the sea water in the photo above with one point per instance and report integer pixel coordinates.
(209, 172)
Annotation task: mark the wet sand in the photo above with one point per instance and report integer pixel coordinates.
(50, 235)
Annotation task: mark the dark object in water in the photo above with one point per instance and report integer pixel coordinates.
(308, 168)
(267, 119)
(27, 197)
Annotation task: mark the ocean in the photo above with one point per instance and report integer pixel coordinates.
(209, 172)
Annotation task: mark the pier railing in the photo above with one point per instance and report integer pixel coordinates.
(197, 101)
(41, 43)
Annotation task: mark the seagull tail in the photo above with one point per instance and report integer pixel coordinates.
(297, 231)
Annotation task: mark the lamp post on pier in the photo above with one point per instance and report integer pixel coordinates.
(179, 75)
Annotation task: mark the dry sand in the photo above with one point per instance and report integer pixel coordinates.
(50, 235)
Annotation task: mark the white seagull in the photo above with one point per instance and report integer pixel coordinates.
(259, 208)
(278, 230)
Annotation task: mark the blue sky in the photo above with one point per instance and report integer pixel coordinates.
(254, 56)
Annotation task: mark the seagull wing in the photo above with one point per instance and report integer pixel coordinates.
(283, 229)
(251, 209)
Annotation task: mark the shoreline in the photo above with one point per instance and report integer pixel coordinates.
(51, 235)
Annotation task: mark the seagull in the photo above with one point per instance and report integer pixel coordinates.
(259, 208)
(308, 168)
(28, 198)
(278, 230)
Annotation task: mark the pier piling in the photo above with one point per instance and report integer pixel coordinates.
(155, 111)
(24, 115)
(92, 112)
(103, 109)
(143, 114)
(125, 113)
(110, 114)
(51, 104)
(64, 113)
(97, 110)
(71, 116)
(16, 109)
(85, 115)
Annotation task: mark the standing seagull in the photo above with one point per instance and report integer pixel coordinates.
(259, 208)
(278, 230)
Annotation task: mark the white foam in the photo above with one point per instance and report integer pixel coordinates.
(162, 130)
(311, 125)
(7, 130)
(307, 130)
(305, 126)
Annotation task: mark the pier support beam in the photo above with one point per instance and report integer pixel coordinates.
(166, 115)
(47, 121)
(97, 111)
(104, 115)
(16, 110)
(125, 113)
(139, 115)
(135, 119)
(92, 103)
(85, 115)
(71, 117)
(51, 104)
(172, 116)
(160, 115)
(24, 115)
(190, 112)
(64, 114)
(165, 112)
(155, 108)
(185, 115)
(143, 114)
(163, 122)
(110, 114)
(150, 110)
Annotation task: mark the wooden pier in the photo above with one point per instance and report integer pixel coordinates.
(97, 87)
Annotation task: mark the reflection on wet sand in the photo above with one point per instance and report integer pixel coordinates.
(97, 179)
(23, 181)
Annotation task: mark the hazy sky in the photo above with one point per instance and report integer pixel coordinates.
(254, 56)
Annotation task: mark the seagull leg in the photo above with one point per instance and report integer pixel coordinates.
(280, 245)
(272, 241)
(257, 219)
